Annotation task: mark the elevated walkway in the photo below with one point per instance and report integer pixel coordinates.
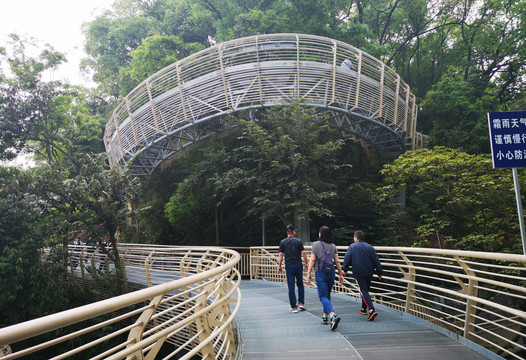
(192, 302)
(269, 331)
(187, 101)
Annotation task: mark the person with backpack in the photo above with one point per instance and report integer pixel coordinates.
(292, 248)
(364, 261)
(324, 256)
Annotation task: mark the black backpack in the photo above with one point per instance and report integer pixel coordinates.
(326, 263)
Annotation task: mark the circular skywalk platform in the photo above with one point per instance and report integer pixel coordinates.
(173, 108)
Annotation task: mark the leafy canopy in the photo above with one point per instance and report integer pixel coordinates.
(454, 200)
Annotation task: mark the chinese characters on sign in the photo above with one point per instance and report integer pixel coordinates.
(507, 132)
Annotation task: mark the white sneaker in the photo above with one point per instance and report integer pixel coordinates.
(335, 320)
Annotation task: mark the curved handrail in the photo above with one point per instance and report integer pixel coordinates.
(159, 117)
(189, 310)
(478, 296)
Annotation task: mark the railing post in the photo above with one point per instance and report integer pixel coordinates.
(223, 75)
(153, 107)
(136, 333)
(228, 349)
(471, 290)
(397, 92)
(298, 89)
(358, 81)
(132, 121)
(147, 269)
(334, 65)
(202, 324)
(123, 269)
(381, 96)
(410, 277)
(252, 262)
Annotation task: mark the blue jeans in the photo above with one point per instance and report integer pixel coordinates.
(295, 274)
(324, 283)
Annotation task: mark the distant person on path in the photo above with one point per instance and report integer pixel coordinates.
(346, 64)
(90, 243)
(364, 261)
(325, 279)
(293, 249)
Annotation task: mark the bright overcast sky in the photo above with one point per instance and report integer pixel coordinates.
(56, 22)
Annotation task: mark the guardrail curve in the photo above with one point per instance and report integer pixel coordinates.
(193, 296)
(188, 307)
(477, 296)
(366, 99)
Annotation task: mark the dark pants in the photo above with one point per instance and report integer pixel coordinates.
(364, 283)
(295, 274)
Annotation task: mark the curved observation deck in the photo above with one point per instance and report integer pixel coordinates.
(167, 111)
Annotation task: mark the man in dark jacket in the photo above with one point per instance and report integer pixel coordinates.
(364, 261)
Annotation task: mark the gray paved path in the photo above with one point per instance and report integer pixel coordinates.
(270, 331)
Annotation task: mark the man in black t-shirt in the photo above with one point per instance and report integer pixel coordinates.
(293, 249)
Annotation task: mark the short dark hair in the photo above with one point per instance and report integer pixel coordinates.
(326, 235)
(359, 235)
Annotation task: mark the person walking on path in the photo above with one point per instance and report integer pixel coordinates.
(293, 249)
(364, 261)
(325, 278)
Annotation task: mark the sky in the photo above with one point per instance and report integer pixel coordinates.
(55, 22)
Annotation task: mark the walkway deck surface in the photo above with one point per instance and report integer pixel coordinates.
(270, 331)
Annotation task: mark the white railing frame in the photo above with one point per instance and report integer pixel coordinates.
(197, 294)
(469, 294)
(257, 72)
(463, 292)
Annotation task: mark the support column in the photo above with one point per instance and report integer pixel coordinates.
(303, 227)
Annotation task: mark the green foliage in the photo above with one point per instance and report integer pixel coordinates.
(283, 165)
(69, 190)
(454, 200)
(457, 111)
(156, 52)
(191, 207)
(462, 59)
(423, 40)
(286, 159)
(33, 283)
(34, 114)
(194, 208)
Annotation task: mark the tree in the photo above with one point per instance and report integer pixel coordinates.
(33, 112)
(445, 50)
(24, 99)
(454, 200)
(284, 166)
(109, 41)
(70, 189)
(155, 53)
(33, 282)
(457, 110)
(286, 158)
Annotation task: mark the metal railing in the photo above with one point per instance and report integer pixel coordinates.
(159, 117)
(478, 296)
(187, 306)
(187, 309)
